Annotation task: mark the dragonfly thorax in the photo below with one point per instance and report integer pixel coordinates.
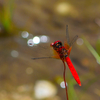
(57, 46)
(63, 53)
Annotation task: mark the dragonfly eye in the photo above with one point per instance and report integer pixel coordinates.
(58, 44)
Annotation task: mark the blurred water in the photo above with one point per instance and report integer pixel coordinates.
(21, 21)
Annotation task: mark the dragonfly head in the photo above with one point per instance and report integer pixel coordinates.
(56, 44)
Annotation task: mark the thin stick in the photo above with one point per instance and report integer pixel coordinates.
(41, 58)
(65, 79)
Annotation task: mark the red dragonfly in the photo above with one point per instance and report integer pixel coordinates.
(63, 52)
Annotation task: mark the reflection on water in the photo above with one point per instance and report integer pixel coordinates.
(30, 42)
(47, 19)
(44, 89)
(14, 53)
(36, 40)
(62, 84)
(63, 8)
(25, 34)
(44, 39)
(29, 70)
(79, 41)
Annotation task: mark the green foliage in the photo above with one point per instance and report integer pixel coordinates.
(71, 90)
(98, 46)
(8, 28)
(92, 50)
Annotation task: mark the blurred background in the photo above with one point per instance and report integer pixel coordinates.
(27, 27)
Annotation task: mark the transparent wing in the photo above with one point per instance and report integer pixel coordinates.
(41, 58)
(68, 39)
(67, 35)
(73, 40)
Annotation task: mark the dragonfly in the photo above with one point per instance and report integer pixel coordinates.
(63, 52)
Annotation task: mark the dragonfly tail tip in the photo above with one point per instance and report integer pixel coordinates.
(80, 84)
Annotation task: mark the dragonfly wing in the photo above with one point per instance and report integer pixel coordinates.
(69, 50)
(41, 58)
(73, 71)
(67, 47)
(68, 39)
(73, 40)
(56, 55)
(67, 35)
